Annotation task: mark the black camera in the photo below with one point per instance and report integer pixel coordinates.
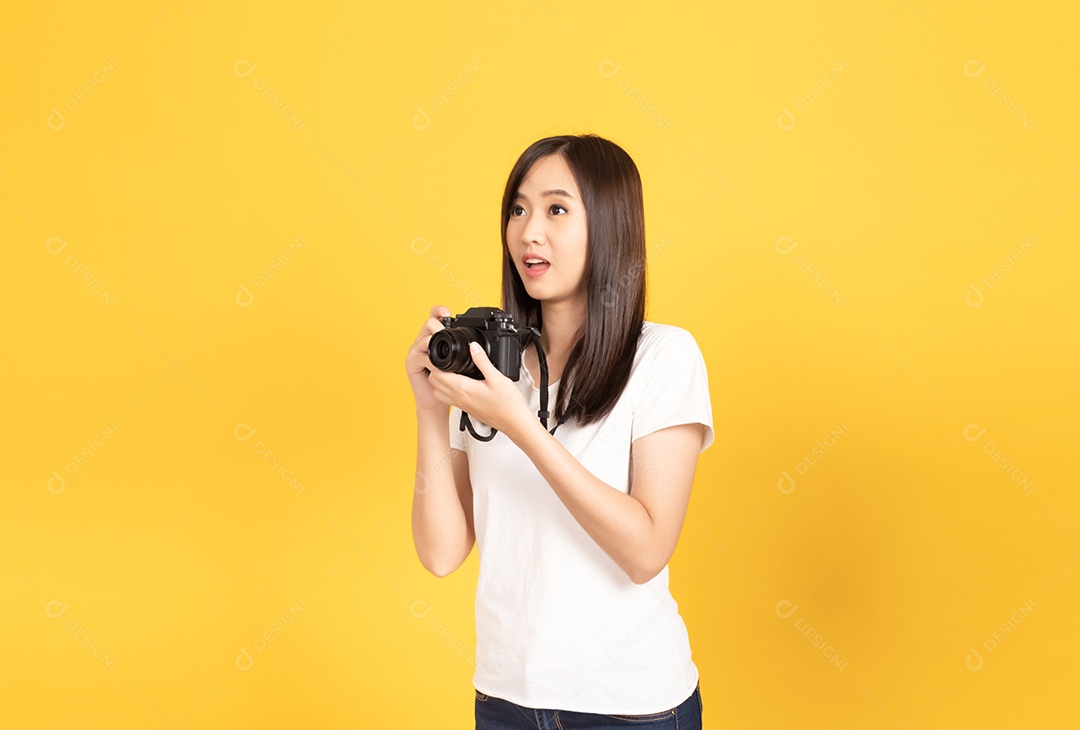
(448, 349)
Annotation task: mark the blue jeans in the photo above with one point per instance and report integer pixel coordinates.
(494, 713)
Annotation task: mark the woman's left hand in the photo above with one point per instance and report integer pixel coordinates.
(495, 400)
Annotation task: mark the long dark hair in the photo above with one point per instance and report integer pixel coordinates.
(599, 363)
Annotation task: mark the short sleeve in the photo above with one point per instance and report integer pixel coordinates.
(457, 436)
(675, 389)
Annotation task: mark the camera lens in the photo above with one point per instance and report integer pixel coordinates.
(441, 351)
(448, 350)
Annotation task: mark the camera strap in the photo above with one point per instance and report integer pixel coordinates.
(543, 413)
(542, 359)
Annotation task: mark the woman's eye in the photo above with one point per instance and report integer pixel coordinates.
(556, 208)
(516, 211)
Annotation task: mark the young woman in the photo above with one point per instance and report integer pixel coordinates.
(575, 623)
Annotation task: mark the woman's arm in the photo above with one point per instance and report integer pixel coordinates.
(442, 511)
(442, 515)
(639, 530)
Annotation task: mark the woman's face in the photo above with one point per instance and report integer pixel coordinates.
(547, 222)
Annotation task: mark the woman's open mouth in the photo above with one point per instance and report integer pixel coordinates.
(536, 266)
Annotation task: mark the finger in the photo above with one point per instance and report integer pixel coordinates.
(443, 388)
(437, 378)
(480, 358)
(420, 347)
(438, 312)
(434, 321)
(449, 383)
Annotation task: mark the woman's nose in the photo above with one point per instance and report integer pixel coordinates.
(534, 230)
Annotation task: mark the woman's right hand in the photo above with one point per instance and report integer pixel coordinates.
(418, 365)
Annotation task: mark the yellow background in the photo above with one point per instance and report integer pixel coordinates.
(218, 257)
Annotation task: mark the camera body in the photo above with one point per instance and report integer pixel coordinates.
(448, 349)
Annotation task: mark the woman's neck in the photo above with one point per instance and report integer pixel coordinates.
(562, 324)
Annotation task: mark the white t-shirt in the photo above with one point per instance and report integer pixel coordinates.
(559, 625)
